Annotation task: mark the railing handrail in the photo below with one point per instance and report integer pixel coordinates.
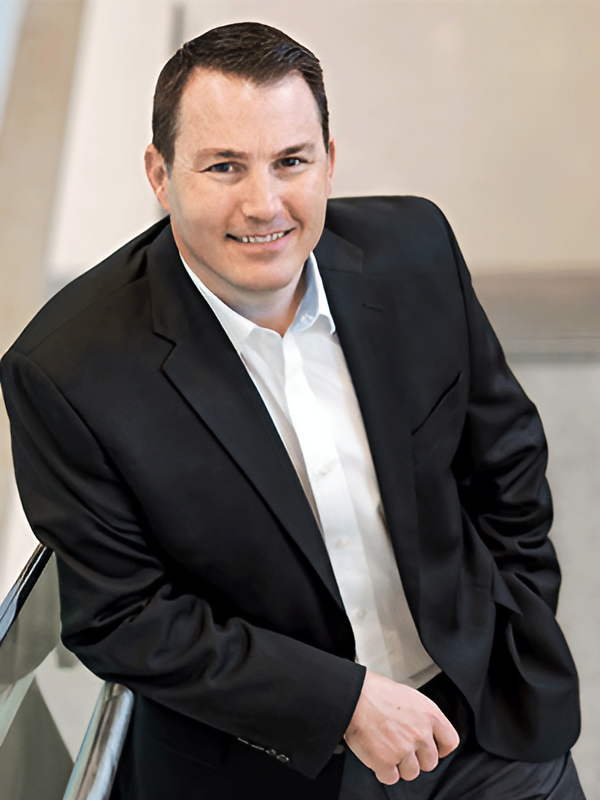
(96, 764)
(16, 597)
(12, 694)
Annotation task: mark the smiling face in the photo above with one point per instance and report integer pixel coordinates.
(248, 187)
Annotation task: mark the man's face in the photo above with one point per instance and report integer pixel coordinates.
(249, 183)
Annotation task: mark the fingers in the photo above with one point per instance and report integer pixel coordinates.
(403, 763)
(409, 768)
(388, 775)
(426, 756)
(445, 735)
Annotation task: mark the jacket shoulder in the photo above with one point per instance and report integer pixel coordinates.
(122, 268)
(405, 237)
(360, 220)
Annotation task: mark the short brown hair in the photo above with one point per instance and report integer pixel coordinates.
(249, 49)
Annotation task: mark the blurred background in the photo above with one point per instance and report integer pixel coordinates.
(491, 108)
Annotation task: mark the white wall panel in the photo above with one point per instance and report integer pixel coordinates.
(12, 13)
(104, 198)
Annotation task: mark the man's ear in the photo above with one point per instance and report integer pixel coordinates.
(331, 156)
(156, 170)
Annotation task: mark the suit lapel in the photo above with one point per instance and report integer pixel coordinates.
(207, 372)
(371, 334)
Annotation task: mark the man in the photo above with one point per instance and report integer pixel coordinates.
(297, 497)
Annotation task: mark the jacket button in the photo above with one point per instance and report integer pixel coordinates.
(282, 758)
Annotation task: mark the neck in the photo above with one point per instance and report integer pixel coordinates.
(274, 310)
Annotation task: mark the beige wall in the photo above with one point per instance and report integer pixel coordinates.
(103, 198)
(489, 107)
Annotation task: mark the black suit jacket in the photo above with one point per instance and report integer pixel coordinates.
(191, 567)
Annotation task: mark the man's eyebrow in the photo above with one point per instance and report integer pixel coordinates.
(227, 154)
(296, 148)
(209, 153)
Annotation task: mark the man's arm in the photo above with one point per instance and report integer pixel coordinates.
(501, 462)
(531, 687)
(500, 472)
(125, 619)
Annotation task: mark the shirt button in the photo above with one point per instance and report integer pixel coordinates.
(326, 469)
(342, 541)
(361, 613)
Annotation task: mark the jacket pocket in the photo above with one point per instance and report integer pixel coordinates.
(438, 429)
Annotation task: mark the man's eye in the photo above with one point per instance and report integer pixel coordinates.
(224, 168)
(290, 162)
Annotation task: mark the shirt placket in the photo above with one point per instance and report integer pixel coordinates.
(335, 508)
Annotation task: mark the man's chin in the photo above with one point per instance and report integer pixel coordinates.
(269, 272)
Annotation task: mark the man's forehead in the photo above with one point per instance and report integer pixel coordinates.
(211, 92)
(223, 112)
(200, 75)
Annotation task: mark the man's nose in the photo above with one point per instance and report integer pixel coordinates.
(261, 198)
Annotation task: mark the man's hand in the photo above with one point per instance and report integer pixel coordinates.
(397, 731)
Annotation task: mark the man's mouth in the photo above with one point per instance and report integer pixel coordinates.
(255, 239)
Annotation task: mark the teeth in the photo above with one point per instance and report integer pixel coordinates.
(270, 237)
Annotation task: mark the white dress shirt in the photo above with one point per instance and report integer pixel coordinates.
(304, 382)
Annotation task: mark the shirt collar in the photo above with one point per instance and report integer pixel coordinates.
(313, 306)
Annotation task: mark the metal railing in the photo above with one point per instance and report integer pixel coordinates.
(13, 693)
(15, 599)
(96, 763)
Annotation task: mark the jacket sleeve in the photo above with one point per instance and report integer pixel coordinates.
(501, 464)
(127, 622)
(528, 706)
